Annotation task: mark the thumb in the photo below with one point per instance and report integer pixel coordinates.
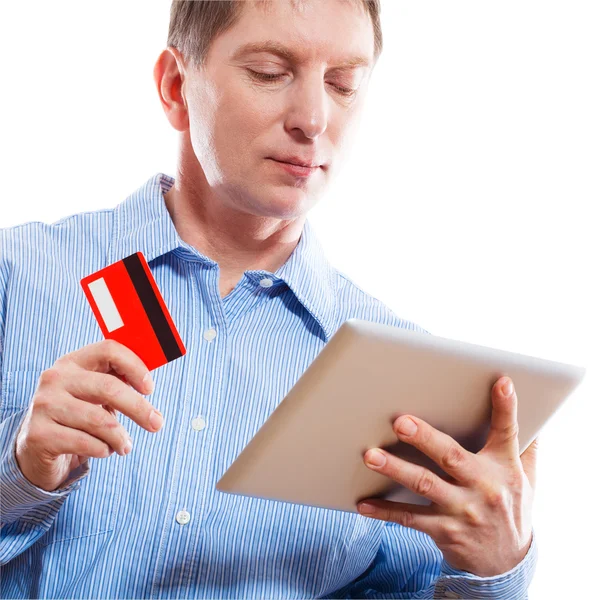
(528, 460)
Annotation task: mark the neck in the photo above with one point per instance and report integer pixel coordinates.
(236, 241)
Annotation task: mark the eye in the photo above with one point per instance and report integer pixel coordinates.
(345, 91)
(276, 76)
(267, 76)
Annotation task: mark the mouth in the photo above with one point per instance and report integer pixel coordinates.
(295, 169)
(309, 163)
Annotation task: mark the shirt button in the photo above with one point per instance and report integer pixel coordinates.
(198, 423)
(210, 335)
(183, 517)
(266, 282)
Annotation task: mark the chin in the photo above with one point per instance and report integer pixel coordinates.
(293, 208)
(286, 204)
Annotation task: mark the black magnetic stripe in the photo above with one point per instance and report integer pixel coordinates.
(151, 305)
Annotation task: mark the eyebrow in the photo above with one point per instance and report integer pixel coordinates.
(286, 53)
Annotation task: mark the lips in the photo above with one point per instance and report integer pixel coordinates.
(298, 161)
(295, 170)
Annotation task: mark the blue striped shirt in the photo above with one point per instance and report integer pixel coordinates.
(112, 530)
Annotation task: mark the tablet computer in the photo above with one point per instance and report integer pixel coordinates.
(310, 450)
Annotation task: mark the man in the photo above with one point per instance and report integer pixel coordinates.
(122, 502)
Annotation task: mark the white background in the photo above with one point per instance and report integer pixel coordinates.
(468, 203)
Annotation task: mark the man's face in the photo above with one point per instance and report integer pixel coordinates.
(239, 121)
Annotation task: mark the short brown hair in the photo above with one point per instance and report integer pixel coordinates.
(195, 23)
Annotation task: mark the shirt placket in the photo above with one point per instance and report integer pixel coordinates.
(181, 537)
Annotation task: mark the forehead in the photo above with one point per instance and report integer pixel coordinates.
(297, 5)
(299, 29)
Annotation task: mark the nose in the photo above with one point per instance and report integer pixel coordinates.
(309, 108)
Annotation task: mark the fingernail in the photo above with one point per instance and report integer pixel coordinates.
(365, 508)
(148, 383)
(376, 458)
(407, 427)
(156, 419)
(507, 388)
(128, 447)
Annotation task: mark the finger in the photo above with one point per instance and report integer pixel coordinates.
(504, 428)
(422, 518)
(93, 419)
(100, 388)
(110, 355)
(455, 460)
(529, 460)
(414, 477)
(65, 440)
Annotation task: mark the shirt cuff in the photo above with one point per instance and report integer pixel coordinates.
(454, 583)
(20, 496)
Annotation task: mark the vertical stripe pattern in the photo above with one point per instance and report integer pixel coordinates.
(115, 529)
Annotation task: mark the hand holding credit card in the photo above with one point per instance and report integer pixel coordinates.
(130, 309)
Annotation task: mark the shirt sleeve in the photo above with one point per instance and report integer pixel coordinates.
(26, 511)
(408, 564)
(3, 285)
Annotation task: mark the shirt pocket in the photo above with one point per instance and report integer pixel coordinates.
(90, 509)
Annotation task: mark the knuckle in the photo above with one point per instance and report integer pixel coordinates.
(89, 446)
(510, 432)
(449, 531)
(424, 483)
(63, 361)
(41, 401)
(49, 376)
(385, 514)
(452, 458)
(111, 349)
(84, 446)
(96, 419)
(125, 437)
(105, 451)
(110, 387)
(423, 435)
(61, 434)
(110, 422)
(495, 497)
(140, 406)
(516, 479)
(472, 514)
(405, 518)
(110, 346)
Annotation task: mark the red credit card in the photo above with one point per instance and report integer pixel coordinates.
(130, 309)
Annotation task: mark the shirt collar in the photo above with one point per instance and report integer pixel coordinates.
(142, 223)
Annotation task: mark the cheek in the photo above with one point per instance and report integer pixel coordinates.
(240, 125)
(203, 112)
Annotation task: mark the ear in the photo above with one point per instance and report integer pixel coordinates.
(169, 80)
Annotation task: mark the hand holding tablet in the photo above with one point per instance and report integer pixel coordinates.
(465, 476)
(480, 512)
